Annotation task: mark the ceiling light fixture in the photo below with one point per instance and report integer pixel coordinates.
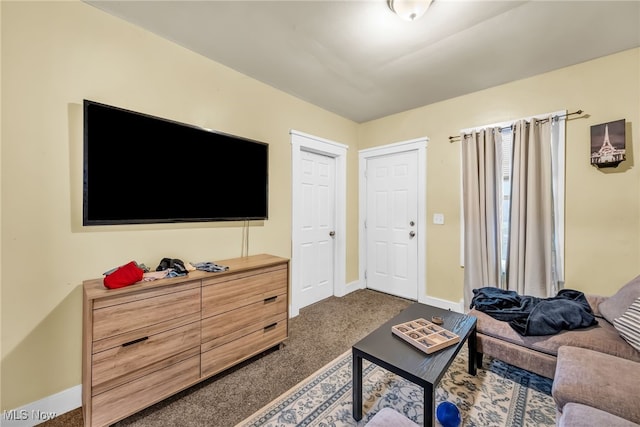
(409, 10)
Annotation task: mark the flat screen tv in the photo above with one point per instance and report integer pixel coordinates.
(141, 169)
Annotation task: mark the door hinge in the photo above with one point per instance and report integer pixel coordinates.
(365, 275)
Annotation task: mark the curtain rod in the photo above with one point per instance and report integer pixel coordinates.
(457, 138)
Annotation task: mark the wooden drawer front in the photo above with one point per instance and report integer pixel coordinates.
(127, 337)
(253, 316)
(239, 333)
(219, 297)
(140, 356)
(123, 295)
(123, 401)
(227, 355)
(121, 318)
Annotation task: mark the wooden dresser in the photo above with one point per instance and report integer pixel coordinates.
(145, 342)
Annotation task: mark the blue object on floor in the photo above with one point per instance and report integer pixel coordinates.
(448, 414)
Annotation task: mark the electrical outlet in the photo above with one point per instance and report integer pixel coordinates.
(438, 218)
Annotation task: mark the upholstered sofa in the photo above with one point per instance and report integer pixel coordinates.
(596, 371)
(591, 388)
(539, 353)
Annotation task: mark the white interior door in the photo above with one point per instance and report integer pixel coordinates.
(317, 227)
(392, 224)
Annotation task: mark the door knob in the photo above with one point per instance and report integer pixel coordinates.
(332, 233)
(412, 234)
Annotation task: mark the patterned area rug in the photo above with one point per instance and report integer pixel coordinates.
(499, 395)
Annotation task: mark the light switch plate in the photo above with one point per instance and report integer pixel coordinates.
(438, 218)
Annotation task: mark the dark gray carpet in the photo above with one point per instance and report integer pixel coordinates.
(322, 332)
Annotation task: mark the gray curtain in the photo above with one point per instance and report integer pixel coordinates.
(530, 253)
(481, 182)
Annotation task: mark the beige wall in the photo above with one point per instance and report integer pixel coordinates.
(602, 206)
(55, 54)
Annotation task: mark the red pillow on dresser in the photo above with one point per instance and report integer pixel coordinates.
(125, 275)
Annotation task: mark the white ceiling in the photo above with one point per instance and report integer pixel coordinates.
(359, 60)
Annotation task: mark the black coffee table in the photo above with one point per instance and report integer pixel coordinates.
(390, 352)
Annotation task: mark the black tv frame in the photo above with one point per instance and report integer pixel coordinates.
(244, 158)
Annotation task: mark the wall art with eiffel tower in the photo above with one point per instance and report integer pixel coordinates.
(608, 144)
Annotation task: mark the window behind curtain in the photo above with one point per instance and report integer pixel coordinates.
(507, 150)
(558, 161)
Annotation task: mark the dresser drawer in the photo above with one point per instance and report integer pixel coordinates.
(233, 324)
(220, 295)
(220, 358)
(142, 355)
(120, 402)
(144, 310)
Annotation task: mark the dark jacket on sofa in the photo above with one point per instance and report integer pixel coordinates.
(529, 315)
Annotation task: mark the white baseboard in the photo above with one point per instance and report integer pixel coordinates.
(458, 307)
(339, 291)
(351, 287)
(44, 409)
(293, 312)
(348, 288)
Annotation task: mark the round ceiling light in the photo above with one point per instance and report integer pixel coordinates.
(409, 10)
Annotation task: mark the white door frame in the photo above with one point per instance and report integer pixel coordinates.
(419, 145)
(305, 142)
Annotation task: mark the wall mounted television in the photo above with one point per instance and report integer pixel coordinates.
(141, 169)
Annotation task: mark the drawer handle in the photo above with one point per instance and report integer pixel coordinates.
(270, 327)
(135, 341)
(271, 299)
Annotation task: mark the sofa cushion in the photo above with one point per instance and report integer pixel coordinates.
(617, 304)
(603, 337)
(628, 325)
(594, 301)
(598, 380)
(577, 415)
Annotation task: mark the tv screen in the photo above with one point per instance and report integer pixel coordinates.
(143, 169)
